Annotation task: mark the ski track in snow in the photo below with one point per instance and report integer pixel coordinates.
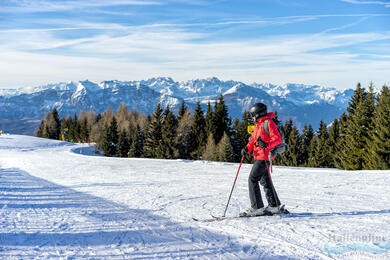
(59, 201)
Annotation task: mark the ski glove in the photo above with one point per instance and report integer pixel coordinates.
(261, 143)
(244, 151)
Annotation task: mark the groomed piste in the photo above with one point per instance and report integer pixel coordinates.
(58, 201)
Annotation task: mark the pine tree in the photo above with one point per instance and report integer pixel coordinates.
(225, 150)
(50, 126)
(198, 133)
(358, 95)
(210, 152)
(293, 145)
(74, 129)
(97, 133)
(107, 146)
(306, 137)
(82, 121)
(341, 148)
(168, 134)
(334, 138)
(110, 141)
(312, 162)
(379, 152)
(57, 125)
(239, 136)
(182, 110)
(183, 137)
(91, 120)
(210, 128)
(285, 158)
(122, 117)
(369, 124)
(84, 133)
(356, 143)
(242, 129)
(234, 139)
(322, 156)
(221, 119)
(154, 145)
(108, 115)
(357, 131)
(122, 148)
(287, 128)
(136, 145)
(114, 130)
(40, 131)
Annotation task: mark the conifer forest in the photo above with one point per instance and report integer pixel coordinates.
(359, 139)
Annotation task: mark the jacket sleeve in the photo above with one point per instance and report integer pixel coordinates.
(274, 136)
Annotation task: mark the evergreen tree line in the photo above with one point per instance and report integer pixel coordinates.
(188, 135)
(359, 139)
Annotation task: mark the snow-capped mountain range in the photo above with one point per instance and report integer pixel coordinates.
(303, 103)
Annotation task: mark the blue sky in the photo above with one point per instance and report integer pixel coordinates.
(332, 43)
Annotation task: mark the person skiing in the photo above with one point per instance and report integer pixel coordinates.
(261, 144)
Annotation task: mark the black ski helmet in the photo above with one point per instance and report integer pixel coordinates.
(258, 110)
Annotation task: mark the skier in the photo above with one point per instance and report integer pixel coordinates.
(261, 144)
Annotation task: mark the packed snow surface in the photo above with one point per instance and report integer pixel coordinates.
(59, 201)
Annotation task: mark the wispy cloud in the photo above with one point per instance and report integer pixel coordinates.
(345, 26)
(57, 24)
(53, 6)
(384, 3)
(102, 43)
(173, 52)
(294, 19)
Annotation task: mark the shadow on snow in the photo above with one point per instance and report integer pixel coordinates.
(95, 222)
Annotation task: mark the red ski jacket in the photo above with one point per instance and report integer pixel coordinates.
(272, 140)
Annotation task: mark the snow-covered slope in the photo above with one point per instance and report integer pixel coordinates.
(58, 202)
(305, 104)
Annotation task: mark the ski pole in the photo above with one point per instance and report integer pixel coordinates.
(270, 164)
(234, 183)
(269, 168)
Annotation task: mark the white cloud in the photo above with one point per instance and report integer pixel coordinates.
(31, 56)
(22, 6)
(291, 19)
(384, 3)
(142, 52)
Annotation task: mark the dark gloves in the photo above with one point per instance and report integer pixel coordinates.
(244, 151)
(261, 143)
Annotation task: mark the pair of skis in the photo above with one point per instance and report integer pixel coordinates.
(282, 211)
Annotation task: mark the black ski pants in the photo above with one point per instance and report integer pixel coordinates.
(259, 173)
